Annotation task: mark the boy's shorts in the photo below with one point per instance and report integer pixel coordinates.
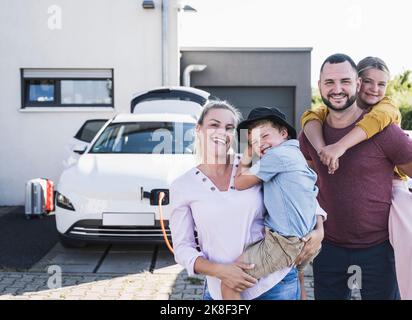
(273, 253)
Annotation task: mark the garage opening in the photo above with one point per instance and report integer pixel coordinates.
(245, 98)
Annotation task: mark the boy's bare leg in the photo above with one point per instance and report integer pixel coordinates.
(303, 295)
(229, 293)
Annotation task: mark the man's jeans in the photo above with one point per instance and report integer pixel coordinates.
(287, 289)
(336, 270)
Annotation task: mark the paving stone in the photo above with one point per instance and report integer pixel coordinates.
(74, 298)
(188, 291)
(78, 291)
(131, 291)
(109, 298)
(15, 275)
(68, 283)
(7, 281)
(165, 289)
(178, 287)
(199, 291)
(28, 278)
(19, 298)
(11, 291)
(144, 298)
(57, 295)
(18, 284)
(112, 292)
(190, 286)
(174, 284)
(161, 297)
(176, 296)
(189, 296)
(38, 298)
(92, 297)
(126, 297)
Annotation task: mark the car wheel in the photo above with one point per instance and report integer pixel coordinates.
(71, 243)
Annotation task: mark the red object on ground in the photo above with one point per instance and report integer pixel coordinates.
(49, 196)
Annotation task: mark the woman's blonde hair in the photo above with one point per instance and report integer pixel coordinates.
(212, 105)
(372, 63)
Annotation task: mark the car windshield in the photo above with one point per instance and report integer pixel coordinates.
(146, 138)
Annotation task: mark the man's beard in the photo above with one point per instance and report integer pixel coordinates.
(351, 101)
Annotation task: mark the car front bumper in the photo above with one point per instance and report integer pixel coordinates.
(93, 231)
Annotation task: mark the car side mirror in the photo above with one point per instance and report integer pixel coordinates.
(79, 149)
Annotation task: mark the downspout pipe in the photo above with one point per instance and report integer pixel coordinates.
(165, 43)
(189, 69)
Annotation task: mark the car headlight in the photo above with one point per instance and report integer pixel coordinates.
(63, 202)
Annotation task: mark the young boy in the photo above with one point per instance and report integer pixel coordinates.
(289, 193)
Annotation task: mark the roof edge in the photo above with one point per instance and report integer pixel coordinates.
(248, 49)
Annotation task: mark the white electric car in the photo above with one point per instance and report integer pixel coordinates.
(185, 100)
(110, 193)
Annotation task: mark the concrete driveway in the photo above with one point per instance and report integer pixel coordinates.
(32, 245)
(98, 272)
(108, 259)
(37, 266)
(103, 272)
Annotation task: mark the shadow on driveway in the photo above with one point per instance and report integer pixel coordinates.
(24, 242)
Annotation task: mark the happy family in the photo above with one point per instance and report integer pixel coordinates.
(335, 194)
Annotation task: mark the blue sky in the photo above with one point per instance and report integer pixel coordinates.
(356, 27)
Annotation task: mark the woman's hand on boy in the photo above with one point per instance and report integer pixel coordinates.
(234, 276)
(313, 241)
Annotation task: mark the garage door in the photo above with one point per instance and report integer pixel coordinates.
(247, 98)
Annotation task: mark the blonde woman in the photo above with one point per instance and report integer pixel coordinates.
(226, 220)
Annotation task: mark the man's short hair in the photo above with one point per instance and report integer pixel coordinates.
(339, 58)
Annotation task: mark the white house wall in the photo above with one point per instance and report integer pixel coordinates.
(103, 34)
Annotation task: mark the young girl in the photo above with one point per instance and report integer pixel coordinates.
(374, 75)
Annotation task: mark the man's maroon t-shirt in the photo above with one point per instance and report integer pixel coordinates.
(357, 197)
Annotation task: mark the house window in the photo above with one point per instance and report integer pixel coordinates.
(67, 88)
(41, 91)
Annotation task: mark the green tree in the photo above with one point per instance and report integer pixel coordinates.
(400, 90)
(316, 98)
(400, 85)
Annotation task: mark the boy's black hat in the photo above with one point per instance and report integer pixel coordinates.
(267, 113)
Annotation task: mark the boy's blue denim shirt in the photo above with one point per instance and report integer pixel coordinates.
(289, 189)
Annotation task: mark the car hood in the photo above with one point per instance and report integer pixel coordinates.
(122, 176)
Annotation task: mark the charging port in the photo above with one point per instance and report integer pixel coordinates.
(154, 197)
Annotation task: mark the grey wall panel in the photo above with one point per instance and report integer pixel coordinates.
(247, 98)
(259, 69)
